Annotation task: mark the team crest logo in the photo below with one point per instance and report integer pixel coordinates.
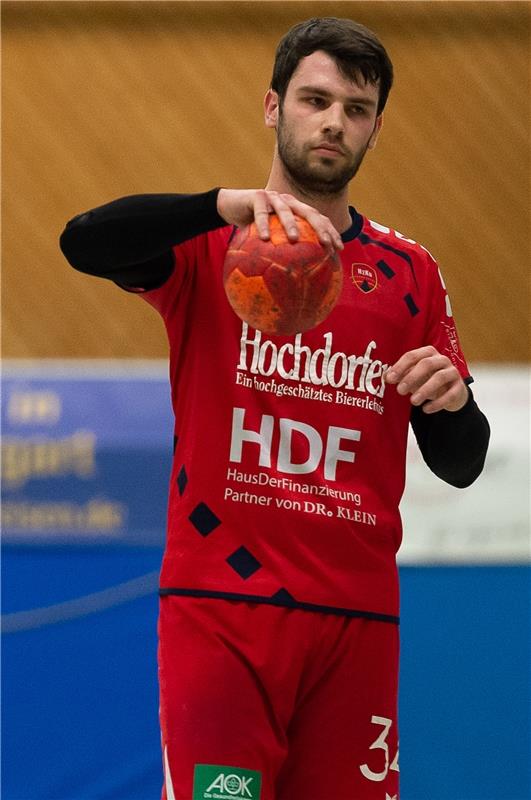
(364, 277)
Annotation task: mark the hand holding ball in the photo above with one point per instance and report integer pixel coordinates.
(278, 286)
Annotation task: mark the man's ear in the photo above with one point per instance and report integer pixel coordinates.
(271, 106)
(376, 132)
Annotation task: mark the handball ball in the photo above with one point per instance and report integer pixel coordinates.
(278, 286)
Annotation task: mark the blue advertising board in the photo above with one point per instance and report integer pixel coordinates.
(86, 454)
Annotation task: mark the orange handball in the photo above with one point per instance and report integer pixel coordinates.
(278, 286)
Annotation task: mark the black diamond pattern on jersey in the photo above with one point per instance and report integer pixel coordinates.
(365, 287)
(283, 596)
(203, 519)
(182, 480)
(243, 562)
(364, 239)
(175, 440)
(410, 303)
(384, 267)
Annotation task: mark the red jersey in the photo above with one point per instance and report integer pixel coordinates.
(290, 451)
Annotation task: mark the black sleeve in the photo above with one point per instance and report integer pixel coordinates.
(130, 240)
(453, 443)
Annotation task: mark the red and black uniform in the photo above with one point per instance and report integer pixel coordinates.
(289, 465)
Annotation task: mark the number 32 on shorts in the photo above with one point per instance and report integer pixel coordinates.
(380, 743)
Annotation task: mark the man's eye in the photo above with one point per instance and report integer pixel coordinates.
(316, 101)
(355, 110)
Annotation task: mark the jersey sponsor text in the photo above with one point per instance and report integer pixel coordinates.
(295, 361)
(318, 453)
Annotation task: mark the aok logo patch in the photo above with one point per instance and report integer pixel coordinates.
(214, 782)
(364, 277)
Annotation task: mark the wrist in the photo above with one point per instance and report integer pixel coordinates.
(220, 201)
(464, 403)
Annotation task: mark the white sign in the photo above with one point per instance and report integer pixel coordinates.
(490, 521)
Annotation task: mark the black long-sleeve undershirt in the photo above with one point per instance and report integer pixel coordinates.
(130, 241)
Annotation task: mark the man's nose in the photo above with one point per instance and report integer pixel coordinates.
(334, 121)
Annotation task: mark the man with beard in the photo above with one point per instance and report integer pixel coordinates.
(278, 654)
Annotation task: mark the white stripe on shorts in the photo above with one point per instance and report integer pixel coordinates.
(170, 794)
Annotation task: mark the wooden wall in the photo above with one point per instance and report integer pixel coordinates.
(104, 99)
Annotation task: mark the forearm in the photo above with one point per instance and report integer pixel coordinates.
(130, 240)
(453, 443)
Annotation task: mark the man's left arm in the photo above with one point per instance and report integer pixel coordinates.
(451, 431)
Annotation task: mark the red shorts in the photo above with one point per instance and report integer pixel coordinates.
(268, 703)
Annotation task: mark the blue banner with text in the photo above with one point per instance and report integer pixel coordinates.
(86, 456)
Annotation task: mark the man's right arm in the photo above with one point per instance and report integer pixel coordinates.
(130, 241)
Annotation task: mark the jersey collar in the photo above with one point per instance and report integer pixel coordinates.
(355, 228)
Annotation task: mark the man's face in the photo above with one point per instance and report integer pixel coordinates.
(325, 125)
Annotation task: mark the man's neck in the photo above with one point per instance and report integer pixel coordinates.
(335, 207)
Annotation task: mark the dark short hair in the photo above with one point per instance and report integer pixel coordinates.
(355, 49)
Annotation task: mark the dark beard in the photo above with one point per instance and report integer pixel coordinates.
(314, 181)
